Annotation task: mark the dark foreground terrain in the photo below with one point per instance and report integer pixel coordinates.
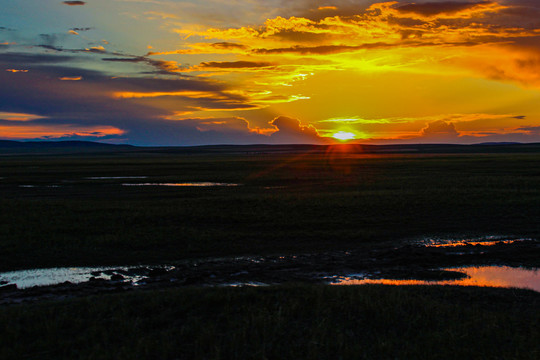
(64, 207)
(65, 210)
(287, 322)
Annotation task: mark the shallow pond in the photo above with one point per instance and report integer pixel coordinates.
(425, 262)
(493, 276)
(486, 241)
(202, 184)
(42, 277)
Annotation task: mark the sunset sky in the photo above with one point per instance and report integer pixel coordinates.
(192, 72)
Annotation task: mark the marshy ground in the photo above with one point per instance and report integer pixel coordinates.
(292, 219)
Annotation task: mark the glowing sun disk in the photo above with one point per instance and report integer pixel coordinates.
(344, 136)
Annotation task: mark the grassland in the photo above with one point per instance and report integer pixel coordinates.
(286, 203)
(287, 322)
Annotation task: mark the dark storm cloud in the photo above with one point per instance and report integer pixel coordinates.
(87, 104)
(300, 36)
(130, 60)
(48, 94)
(335, 49)
(440, 128)
(162, 66)
(228, 45)
(291, 131)
(81, 29)
(51, 47)
(24, 59)
(532, 130)
(73, 3)
(50, 41)
(234, 64)
(69, 106)
(442, 7)
(321, 50)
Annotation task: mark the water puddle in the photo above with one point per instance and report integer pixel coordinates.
(35, 186)
(491, 276)
(42, 277)
(243, 284)
(201, 184)
(487, 241)
(426, 262)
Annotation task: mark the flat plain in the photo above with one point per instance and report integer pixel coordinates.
(68, 209)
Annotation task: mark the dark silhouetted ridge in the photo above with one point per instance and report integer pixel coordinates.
(54, 147)
(8, 147)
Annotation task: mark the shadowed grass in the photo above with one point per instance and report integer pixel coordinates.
(287, 203)
(288, 322)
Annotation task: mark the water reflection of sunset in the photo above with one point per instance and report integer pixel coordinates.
(472, 243)
(490, 276)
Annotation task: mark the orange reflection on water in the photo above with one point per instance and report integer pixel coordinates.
(466, 242)
(196, 184)
(491, 276)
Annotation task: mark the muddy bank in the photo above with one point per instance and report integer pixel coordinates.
(418, 260)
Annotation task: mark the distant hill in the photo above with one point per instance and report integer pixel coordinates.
(352, 148)
(56, 147)
(8, 147)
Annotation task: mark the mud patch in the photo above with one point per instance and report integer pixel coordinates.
(413, 263)
(114, 177)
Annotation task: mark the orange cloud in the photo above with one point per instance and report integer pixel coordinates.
(98, 49)
(388, 25)
(9, 116)
(327, 8)
(70, 78)
(56, 131)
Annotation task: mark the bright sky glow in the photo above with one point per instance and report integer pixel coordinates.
(189, 72)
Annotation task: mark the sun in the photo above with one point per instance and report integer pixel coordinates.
(344, 136)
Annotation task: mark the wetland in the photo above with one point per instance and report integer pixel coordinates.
(254, 255)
